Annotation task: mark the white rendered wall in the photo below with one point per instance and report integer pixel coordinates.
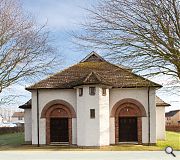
(140, 95)
(34, 118)
(45, 96)
(27, 125)
(153, 116)
(93, 132)
(74, 131)
(104, 118)
(112, 130)
(87, 129)
(160, 123)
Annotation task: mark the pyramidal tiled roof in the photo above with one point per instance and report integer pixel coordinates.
(93, 69)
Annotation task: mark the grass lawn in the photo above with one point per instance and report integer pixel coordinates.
(12, 139)
(16, 140)
(172, 139)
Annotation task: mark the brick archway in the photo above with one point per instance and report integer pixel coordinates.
(58, 109)
(130, 101)
(128, 108)
(58, 102)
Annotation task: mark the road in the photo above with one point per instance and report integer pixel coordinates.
(87, 155)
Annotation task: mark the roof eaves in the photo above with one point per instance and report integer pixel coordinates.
(162, 105)
(27, 105)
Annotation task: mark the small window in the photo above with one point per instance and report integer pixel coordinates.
(80, 91)
(92, 113)
(104, 91)
(92, 90)
(19, 118)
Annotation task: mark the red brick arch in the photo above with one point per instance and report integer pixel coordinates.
(58, 109)
(131, 103)
(128, 108)
(50, 104)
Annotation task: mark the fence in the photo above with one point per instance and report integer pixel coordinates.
(173, 128)
(4, 130)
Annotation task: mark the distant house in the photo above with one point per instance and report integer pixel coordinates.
(18, 117)
(173, 118)
(94, 103)
(6, 114)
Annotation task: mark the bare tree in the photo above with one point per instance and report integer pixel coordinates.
(25, 47)
(5, 101)
(10, 99)
(143, 34)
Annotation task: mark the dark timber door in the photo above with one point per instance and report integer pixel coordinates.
(59, 130)
(128, 129)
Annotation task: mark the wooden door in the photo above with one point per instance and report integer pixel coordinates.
(59, 130)
(128, 129)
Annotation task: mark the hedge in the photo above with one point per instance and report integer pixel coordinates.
(4, 130)
(173, 128)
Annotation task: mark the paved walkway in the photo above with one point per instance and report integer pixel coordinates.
(87, 155)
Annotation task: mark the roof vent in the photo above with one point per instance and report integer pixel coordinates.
(93, 57)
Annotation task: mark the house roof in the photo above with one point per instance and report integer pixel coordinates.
(18, 114)
(172, 113)
(93, 70)
(161, 103)
(27, 105)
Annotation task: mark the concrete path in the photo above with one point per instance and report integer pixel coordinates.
(87, 155)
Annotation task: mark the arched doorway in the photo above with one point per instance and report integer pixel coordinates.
(128, 115)
(58, 116)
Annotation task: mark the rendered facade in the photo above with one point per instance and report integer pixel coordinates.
(94, 103)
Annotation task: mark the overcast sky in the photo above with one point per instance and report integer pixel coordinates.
(63, 16)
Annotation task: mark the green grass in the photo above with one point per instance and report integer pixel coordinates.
(12, 139)
(172, 139)
(16, 140)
